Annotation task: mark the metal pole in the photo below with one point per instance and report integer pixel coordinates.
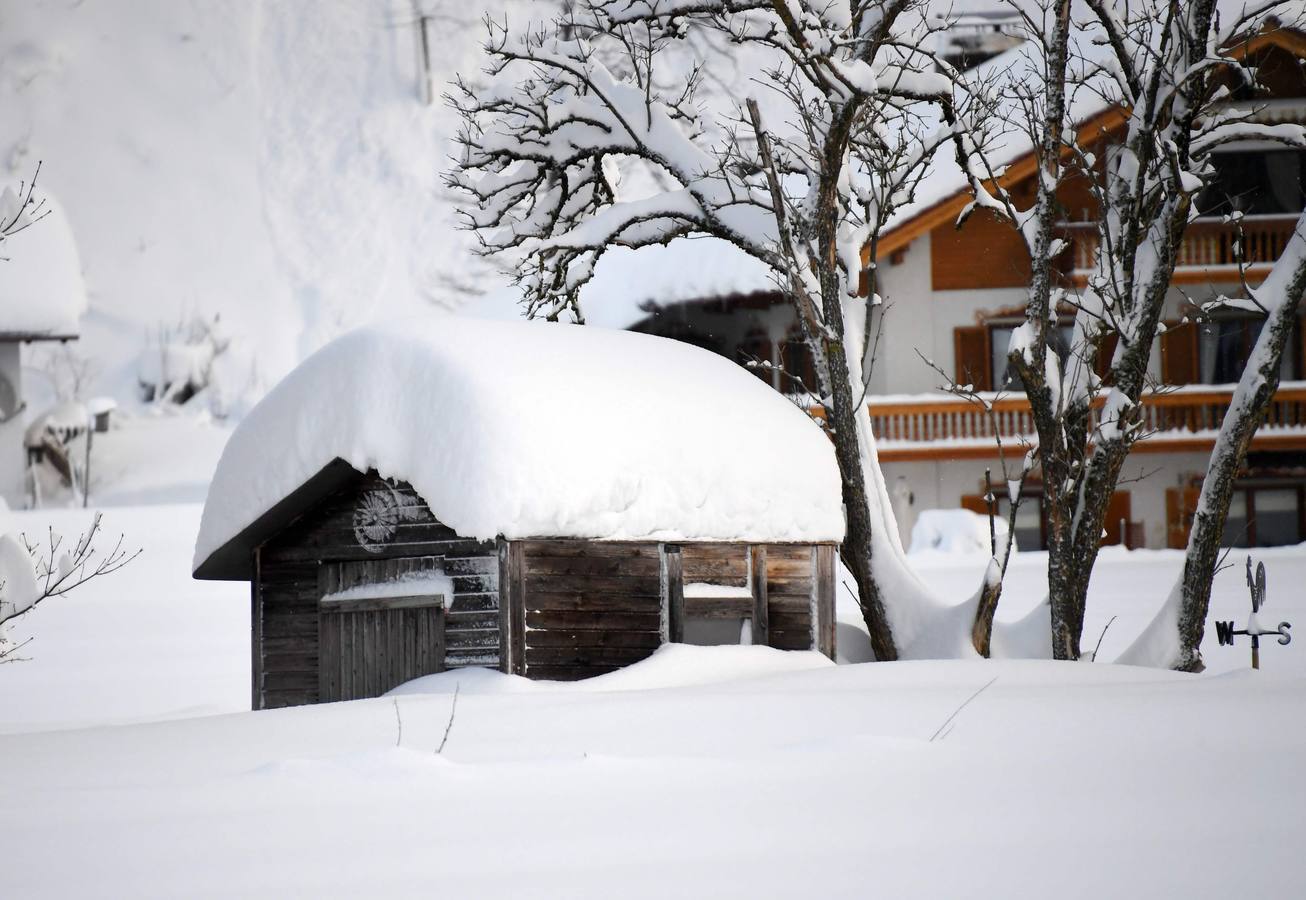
(1256, 651)
(86, 470)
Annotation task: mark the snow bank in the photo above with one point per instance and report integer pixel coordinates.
(522, 429)
(671, 665)
(41, 287)
(953, 531)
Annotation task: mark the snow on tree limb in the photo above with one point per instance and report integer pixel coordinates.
(796, 144)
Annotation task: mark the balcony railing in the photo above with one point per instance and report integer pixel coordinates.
(1187, 418)
(1207, 244)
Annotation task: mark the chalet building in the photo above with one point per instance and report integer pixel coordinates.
(42, 297)
(955, 295)
(961, 292)
(532, 497)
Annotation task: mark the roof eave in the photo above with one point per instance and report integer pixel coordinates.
(234, 560)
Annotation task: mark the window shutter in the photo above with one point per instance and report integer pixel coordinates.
(973, 357)
(1118, 508)
(1179, 354)
(1180, 506)
(1106, 349)
(1299, 364)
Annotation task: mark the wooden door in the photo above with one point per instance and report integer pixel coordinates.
(368, 646)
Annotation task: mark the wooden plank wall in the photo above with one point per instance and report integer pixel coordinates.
(287, 591)
(589, 607)
(789, 584)
(790, 571)
(366, 652)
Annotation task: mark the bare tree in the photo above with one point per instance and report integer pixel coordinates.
(838, 108)
(1167, 64)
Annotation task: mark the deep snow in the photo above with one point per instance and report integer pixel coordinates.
(720, 772)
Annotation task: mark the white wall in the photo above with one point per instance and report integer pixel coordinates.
(922, 319)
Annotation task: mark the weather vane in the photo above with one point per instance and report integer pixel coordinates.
(1225, 632)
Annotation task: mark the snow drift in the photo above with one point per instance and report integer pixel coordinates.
(532, 429)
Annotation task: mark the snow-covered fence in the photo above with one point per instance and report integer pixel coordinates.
(927, 426)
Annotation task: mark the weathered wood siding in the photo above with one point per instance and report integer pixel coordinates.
(589, 607)
(394, 523)
(580, 608)
(790, 590)
(365, 649)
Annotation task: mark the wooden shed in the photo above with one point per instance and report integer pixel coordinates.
(360, 582)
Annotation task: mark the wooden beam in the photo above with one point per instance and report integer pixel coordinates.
(517, 593)
(256, 634)
(757, 582)
(823, 591)
(326, 606)
(673, 592)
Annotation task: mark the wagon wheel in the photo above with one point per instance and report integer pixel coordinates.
(376, 519)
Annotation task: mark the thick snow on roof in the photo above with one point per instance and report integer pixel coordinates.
(520, 429)
(41, 287)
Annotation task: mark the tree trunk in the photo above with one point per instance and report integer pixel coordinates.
(858, 543)
(1246, 412)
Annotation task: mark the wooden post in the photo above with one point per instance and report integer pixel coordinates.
(256, 634)
(505, 607)
(823, 589)
(86, 469)
(512, 595)
(757, 583)
(674, 585)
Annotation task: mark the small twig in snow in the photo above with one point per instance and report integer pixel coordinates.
(453, 709)
(956, 711)
(1100, 636)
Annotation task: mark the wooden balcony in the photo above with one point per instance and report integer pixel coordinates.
(1208, 251)
(938, 427)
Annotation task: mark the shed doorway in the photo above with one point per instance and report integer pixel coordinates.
(380, 623)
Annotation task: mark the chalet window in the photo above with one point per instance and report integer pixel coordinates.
(754, 348)
(1030, 521)
(1003, 376)
(1225, 344)
(796, 358)
(1256, 182)
(1265, 515)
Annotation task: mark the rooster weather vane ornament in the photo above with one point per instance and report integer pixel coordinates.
(1225, 632)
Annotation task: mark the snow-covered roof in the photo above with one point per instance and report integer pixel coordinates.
(1006, 143)
(41, 289)
(534, 429)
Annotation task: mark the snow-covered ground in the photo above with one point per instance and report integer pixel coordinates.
(704, 772)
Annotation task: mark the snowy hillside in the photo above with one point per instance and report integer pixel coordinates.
(271, 163)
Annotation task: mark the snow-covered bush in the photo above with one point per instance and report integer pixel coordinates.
(199, 364)
(177, 362)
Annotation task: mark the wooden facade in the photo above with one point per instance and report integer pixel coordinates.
(548, 608)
